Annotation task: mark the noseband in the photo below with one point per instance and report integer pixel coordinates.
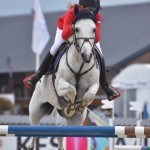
(85, 39)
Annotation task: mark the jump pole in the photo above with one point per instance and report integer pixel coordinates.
(75, 131)
(120, 147)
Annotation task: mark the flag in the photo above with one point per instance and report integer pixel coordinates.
(40, 35)
(10, 86)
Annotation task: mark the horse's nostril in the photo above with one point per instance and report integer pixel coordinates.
(82, 55)
(91, 55)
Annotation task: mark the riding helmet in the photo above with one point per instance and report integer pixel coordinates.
(90, 3)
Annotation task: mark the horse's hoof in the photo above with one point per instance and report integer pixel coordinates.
(64, 113)
(61, 113)
(79, 110)
(68, 114)
(29, 148)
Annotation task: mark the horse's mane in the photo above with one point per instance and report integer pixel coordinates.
(85, 13)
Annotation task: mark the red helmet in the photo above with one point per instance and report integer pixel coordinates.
(90, 3)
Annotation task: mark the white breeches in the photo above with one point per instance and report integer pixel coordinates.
(59, 40)
(99, 47)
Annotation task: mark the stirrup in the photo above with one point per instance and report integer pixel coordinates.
(115, 95)
(28, 81)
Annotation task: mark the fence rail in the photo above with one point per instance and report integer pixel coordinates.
(77, 131)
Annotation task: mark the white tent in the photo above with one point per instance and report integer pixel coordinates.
(134, 76)
(134, 84)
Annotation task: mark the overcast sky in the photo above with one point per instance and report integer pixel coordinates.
(16, 7)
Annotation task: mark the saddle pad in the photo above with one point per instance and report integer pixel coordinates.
(55, 62)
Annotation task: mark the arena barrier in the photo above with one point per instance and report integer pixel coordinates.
(76, 131)
(120, 147)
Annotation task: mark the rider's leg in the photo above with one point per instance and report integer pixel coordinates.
(110, 92)
(31, 81)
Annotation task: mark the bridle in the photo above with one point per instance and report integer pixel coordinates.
(79, 74)
(85, 39)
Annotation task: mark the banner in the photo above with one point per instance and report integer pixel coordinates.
(40, 35)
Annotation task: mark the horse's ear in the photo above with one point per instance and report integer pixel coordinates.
(76, 10)
(95, 11)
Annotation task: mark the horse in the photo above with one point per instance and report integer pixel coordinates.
(73, 87)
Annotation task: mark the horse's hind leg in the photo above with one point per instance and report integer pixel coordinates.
(35, 116)
(34, 119)
(36, 112)
(60, 143)
(75, 120)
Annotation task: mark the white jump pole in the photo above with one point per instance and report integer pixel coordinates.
(120, 147)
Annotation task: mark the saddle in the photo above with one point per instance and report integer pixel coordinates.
(52, 69)
(55, 62)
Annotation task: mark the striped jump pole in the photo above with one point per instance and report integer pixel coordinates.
(120, 147)
(75, 131)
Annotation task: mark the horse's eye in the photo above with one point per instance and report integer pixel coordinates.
(94, 30)
(76, 30)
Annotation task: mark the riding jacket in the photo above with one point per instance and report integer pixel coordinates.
(65, 23)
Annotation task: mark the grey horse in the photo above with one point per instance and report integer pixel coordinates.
(76, 81)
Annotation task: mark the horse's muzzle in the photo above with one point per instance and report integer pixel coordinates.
(86, 58)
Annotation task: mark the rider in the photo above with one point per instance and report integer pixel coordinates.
(63, 32)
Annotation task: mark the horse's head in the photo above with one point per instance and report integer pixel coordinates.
(85, 32)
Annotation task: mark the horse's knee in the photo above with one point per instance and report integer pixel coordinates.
(69, 92)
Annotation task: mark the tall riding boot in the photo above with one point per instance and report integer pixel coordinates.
(31, 81)
(110, 92)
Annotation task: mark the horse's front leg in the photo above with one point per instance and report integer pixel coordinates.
(35, 113)
(68, 91)
(87, 99)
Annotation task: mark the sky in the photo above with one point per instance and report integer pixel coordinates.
(17, 7)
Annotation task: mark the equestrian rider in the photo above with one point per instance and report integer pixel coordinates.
(63, 32)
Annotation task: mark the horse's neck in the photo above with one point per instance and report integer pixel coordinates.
(75, 60)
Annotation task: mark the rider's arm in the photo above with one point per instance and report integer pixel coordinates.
(98, 27)
(67, 25)
(60, 22)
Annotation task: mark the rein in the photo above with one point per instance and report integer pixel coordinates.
(78, 75)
